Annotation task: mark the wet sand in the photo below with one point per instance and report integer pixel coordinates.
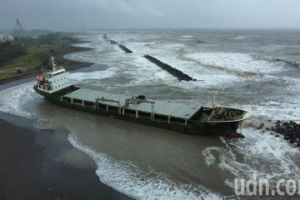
(41, 164)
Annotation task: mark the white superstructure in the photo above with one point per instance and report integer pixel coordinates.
(6, 38)
(53, 79)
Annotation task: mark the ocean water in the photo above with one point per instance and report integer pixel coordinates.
(254, 70)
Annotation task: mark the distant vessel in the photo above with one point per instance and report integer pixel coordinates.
(55, 86)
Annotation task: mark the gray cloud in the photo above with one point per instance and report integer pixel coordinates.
(78, 14)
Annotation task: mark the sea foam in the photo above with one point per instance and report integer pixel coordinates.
(135, 182)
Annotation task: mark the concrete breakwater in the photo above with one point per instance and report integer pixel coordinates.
(109, 40)
(123, 47)
(175, 72)
(113, 42)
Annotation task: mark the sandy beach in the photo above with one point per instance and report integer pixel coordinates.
(145, 162)
(41, 164)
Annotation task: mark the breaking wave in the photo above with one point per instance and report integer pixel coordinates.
(14, 98)
(274, 60)
(187, 36)
(259, 154)
(144, 184)
(98, 75)
(233, 63)
(241, 37)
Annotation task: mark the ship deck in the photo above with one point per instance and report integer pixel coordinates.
(166, 108)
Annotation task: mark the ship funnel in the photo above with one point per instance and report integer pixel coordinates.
(52, 60)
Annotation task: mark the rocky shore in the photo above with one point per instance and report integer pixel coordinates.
(290, 131)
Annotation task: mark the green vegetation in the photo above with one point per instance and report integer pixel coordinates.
(25, 56)
(9, 51)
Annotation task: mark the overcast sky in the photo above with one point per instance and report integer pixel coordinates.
(86, 14)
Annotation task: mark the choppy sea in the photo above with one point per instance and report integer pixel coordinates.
(256, 70)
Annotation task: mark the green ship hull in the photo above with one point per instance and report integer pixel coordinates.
(197, 126)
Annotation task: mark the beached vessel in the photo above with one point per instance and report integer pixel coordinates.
(55, 86)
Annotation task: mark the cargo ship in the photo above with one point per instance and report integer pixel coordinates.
(55, 86)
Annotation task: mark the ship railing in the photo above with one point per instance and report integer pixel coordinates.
(235, 118)
(109, 100)
(137, 101)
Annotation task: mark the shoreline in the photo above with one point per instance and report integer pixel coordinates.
(30, 169)
(43, 164)
(70, 65)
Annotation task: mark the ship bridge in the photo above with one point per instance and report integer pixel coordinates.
(135, 105)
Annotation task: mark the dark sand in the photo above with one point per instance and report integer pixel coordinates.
(41, 164)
